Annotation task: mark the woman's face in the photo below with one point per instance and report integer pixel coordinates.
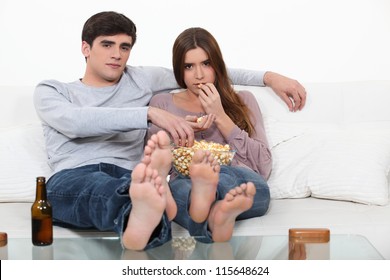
(197, 69)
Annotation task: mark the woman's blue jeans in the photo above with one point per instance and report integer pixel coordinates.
(97, 196)
(229, 178)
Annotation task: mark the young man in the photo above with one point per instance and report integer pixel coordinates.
(95, 129)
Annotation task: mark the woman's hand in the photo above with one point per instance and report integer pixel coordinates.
(210, 99)
(202, 123)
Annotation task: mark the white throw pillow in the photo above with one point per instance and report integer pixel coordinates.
(352, 165)
(292, 145)
(289, 161)
(23, 158)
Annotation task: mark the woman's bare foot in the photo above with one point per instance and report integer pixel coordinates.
(148, 198)
(158, 155)
(224, 212)
(204, 173)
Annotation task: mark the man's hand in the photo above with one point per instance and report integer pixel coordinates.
(289, 90)
(179, 130)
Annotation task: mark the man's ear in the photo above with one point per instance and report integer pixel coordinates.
(85, 49)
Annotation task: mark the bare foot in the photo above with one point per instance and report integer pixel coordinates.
(148, 198)
(224, 212)
(204, 173)
(158, 155)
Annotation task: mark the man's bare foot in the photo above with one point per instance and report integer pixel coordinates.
(158, 155)
(204, 172)
(224, 212)
(149, 201)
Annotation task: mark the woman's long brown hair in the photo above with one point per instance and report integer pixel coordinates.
(232, 104)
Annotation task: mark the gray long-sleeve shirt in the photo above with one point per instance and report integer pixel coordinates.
(87, 125)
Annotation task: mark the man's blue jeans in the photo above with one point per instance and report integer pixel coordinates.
(229, 178)
(97, 196)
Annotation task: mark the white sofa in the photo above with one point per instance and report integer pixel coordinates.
(331, 163)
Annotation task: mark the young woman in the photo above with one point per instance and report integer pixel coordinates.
(213, 197)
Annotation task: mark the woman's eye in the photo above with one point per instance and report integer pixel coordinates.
(187, 66)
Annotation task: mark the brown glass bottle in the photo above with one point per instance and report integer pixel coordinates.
(41, 216)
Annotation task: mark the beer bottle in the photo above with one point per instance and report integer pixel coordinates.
(41, 216)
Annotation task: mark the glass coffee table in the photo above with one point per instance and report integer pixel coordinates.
(340, 247)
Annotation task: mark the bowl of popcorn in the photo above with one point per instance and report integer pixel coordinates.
(182, 156)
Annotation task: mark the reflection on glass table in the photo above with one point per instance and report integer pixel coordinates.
(340, 247)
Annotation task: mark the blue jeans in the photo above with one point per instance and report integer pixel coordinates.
(229, 178)
(97, 196)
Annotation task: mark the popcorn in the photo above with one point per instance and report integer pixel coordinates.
(182, 156)
(199, 119)
(183, 247)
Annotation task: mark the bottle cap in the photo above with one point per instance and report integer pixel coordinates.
(41, 179)
(3, 239)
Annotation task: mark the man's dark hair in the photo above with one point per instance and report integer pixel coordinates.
(108, 24)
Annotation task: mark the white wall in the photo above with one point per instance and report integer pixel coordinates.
(312, 41)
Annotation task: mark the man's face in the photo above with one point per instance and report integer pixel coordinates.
(106, 59)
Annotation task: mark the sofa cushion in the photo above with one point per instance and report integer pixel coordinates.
(18, 106)
(336, 148)
(23, 158)
(341, 135)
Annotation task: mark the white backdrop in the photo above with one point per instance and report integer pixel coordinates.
(312, 41)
